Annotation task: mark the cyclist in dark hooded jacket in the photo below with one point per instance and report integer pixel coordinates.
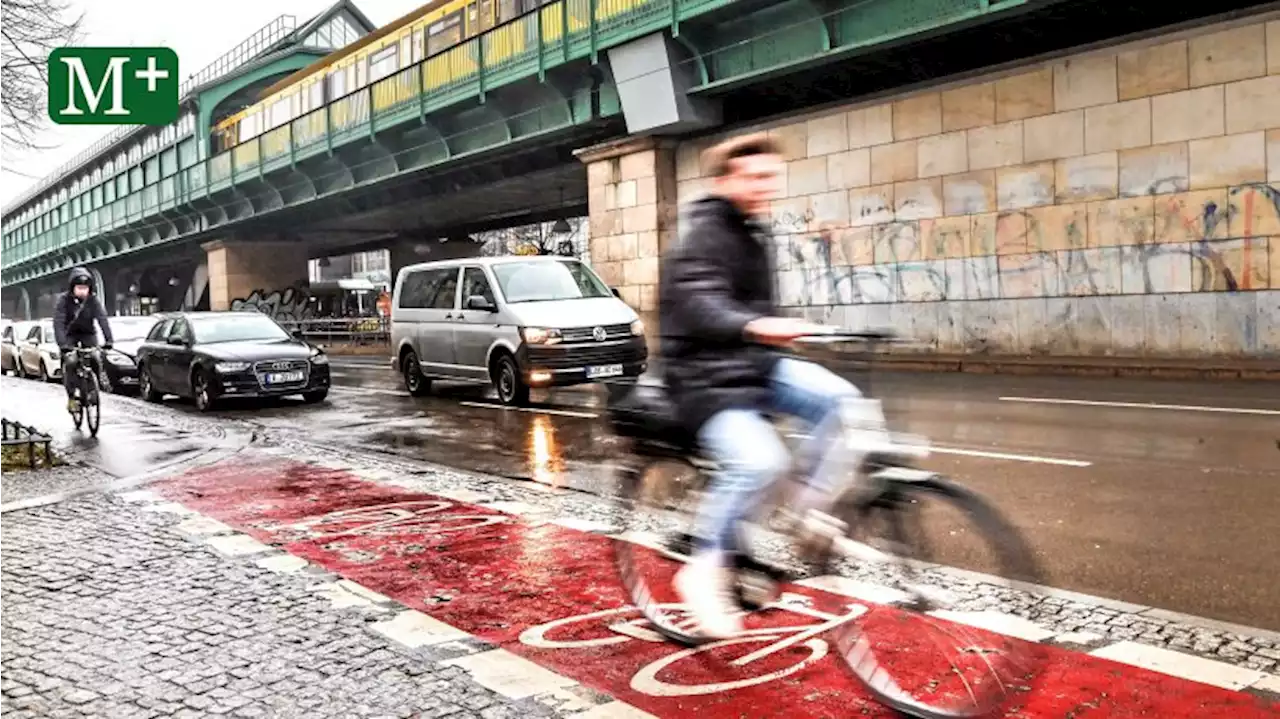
(73, 317)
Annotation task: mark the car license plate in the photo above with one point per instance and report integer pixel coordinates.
(284, 377)
(607, 370)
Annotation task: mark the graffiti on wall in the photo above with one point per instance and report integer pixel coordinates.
(290, 304)
(1219, 244)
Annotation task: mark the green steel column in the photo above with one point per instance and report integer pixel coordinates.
(591, 14)
(542, 62)
(480, 61)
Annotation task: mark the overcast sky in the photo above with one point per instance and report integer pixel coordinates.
(199, 32)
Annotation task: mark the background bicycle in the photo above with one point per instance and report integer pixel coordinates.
(88, 406)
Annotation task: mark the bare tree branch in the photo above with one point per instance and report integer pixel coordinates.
(535, 239)
(32, 29)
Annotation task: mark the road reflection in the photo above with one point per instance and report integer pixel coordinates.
(546, 461)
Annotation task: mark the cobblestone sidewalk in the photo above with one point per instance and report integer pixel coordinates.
(109, 611)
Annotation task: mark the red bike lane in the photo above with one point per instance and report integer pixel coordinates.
(551, 595)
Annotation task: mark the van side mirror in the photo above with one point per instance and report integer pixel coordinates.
(480, 302)
(615, 292)
(176, 341)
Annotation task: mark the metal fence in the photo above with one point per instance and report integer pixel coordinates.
(361, 331)
(22, 436)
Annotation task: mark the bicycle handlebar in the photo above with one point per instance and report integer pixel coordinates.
(834, 334)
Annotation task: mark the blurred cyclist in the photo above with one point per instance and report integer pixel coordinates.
(720, 329)
(73, 317)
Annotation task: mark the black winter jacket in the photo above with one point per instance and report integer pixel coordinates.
(713, 282)
(73, 320)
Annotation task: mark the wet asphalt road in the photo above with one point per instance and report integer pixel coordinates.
(1166, 506)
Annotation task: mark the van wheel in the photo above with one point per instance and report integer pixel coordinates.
(414, 381)
(507, 381)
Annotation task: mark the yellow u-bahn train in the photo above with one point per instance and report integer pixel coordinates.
(427, 31)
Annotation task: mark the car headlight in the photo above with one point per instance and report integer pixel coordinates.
(227, 367)
(637, 328)
(540, 335)
(119, 359)
(319, 358)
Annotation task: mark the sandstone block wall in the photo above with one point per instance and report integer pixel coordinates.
(1124, 201)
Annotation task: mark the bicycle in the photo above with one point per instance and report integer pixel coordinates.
(880, 505)
(87, 393)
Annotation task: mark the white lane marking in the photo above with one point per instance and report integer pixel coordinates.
(484, 405)
(368, 390)
(414, 629)
(283, 564)
(1143, 405)
(509, 674)
(1011, 457)
(1185, 666)
(201, 525)
(991, 455)
(544, 410)
(998, 622)
(236, 545)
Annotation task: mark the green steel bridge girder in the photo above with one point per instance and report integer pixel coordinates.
(783, 37)
(536, 96)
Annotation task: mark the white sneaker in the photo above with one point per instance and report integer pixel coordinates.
(703, 586)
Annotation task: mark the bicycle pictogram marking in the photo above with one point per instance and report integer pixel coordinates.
(380, 520)
(647, 679)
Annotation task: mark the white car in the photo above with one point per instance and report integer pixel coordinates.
(9, 345)
(38, 354)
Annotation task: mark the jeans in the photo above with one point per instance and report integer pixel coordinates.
(751, 455)
(69, 380)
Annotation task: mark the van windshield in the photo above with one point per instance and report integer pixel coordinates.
(541, 281)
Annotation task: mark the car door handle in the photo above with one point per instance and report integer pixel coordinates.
(449, 316)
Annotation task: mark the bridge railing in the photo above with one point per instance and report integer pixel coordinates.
(354, 331)
(26, 440)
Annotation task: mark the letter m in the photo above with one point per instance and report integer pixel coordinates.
(76, 75)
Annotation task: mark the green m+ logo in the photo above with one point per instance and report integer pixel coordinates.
(113, 86)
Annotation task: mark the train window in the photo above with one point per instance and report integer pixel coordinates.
(317, 96)
(419, 46)
(444, 34)
(337, 84)
(362, 72)
(486, 14)
(250, 126)
(279, 113)
(383, 63)
(509, 10)
(406, 51)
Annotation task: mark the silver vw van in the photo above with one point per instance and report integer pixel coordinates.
(518, 322)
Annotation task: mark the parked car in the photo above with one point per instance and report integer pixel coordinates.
(38, 354)
(208, 356)
(14, 334)
(518, 322)
(119, 369)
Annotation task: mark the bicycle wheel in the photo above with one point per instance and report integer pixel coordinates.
(893, 649)
(77, 414)
(660, 498)
(91, 404)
